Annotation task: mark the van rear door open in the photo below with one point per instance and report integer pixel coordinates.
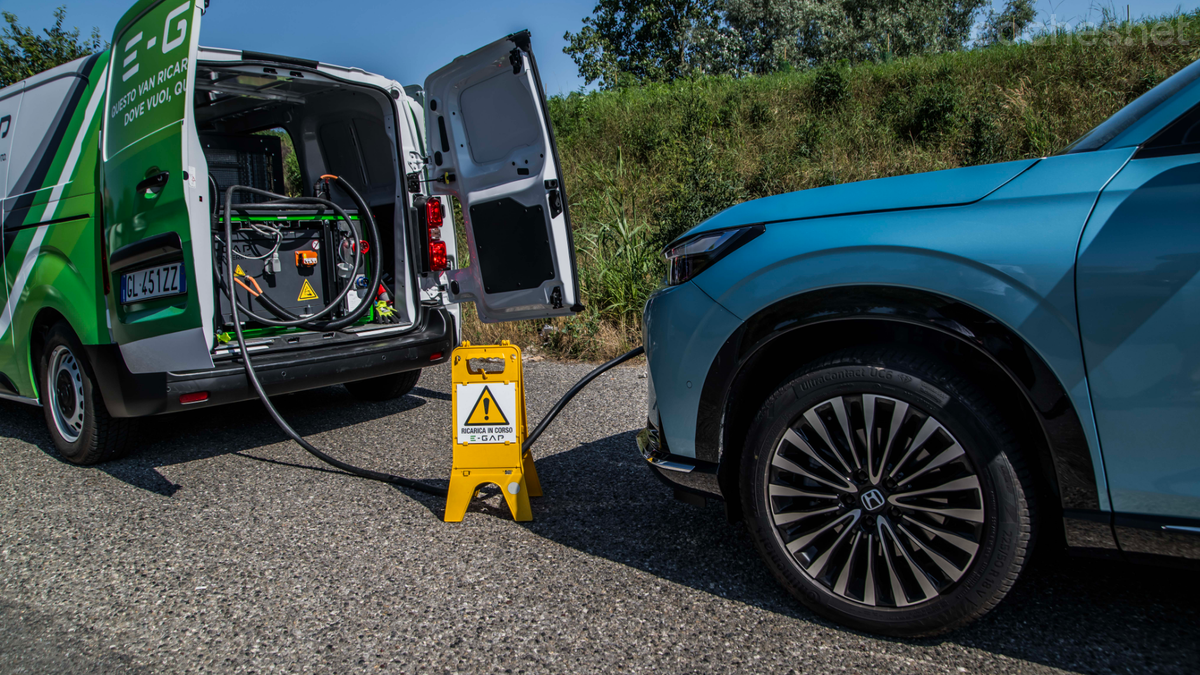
(155, 219)
(487, 126)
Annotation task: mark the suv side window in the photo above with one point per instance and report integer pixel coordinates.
(1181, 137)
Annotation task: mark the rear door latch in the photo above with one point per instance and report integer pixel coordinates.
(555, 198)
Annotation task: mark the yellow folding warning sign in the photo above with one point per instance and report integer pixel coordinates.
(307, 292)
(489, 428)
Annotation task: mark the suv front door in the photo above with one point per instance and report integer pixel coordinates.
(1139, 314)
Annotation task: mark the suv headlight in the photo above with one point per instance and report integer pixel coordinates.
(690, 256)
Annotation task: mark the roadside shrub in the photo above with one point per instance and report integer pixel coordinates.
(984, 143)
(926, 114)
(759, 115)
(830, 88)
(705, 189)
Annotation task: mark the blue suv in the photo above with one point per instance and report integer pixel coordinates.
(900, 384)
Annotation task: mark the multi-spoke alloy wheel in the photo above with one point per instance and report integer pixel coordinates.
(886, 491)
(875, 500)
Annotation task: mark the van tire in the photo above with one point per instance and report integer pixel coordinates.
(386, 387)
(992, 501)
(83, 431)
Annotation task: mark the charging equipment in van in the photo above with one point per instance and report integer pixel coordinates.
(114, 178)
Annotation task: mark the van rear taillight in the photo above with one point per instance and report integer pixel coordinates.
(434, 217)
(437, 255)
(433, 213)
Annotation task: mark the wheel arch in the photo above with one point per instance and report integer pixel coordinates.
(778, 340)
(38, 329)
(57, 289)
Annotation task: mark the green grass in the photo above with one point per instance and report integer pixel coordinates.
(644, 164)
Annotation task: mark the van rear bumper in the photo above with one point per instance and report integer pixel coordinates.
(137, 395)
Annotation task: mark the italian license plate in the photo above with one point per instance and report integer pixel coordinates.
(155, 282)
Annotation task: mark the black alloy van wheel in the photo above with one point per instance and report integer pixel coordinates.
(385, 387)
(76, 416)
(886, 492)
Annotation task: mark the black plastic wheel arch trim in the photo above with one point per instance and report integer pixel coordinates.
(1070, 455)
(1090, 532)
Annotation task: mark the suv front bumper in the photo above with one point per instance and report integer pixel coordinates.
(688, 477)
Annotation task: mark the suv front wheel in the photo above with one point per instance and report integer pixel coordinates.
(886, 492)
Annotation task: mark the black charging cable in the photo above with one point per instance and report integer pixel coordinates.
(252, 375)
(587, 379)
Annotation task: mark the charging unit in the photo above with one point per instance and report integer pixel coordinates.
(488, 401)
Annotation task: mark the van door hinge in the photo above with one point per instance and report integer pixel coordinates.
(556, 297)
(514, 57)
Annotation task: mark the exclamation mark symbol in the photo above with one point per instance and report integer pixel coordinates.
(486, 405)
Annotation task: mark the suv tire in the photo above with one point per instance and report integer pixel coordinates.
(386, 387)
(917, 532)
(76, 416)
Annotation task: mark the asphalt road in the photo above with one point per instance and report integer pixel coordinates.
(219, 547)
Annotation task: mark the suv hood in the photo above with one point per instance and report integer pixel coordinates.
(922, 190)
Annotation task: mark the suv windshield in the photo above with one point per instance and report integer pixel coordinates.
(1125, 117)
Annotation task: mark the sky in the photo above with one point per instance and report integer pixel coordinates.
(407, 40)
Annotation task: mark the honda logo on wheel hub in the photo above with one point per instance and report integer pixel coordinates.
(873, 500)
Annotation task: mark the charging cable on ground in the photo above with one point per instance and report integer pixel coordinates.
(287, 319)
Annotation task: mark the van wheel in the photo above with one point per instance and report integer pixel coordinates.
(384, 388)
(887, 493)
(79, 423)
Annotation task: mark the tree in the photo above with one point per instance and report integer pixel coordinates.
(24, 53)
(809, 33)
(649, 40)
(643, 40)
(1005, 26)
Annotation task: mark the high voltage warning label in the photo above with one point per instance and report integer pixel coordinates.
(307, 292)
(484, 412)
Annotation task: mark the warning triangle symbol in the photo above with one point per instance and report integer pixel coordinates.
(307, 292)
(239, 272)
(486, 413)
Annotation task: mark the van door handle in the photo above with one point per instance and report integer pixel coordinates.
(155, 182)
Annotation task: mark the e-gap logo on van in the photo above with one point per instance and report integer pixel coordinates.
(167, 45)
(139, 93)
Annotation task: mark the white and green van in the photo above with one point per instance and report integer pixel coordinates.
(113, 170)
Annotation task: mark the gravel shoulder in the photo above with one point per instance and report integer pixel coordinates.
(219, 547)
